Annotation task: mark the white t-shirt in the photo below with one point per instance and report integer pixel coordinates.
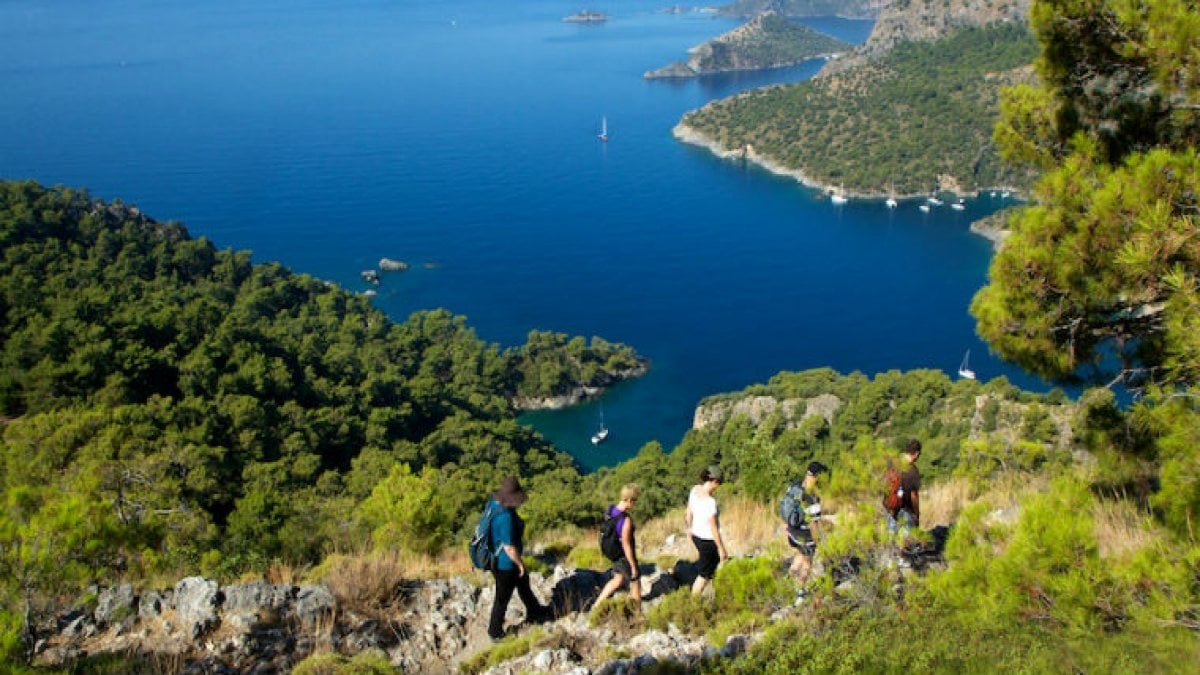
(703, 508)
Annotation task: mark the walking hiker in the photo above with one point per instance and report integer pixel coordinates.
(618, 543)
(903, 499)
(507, 538)
(800, 508)
(705, 528)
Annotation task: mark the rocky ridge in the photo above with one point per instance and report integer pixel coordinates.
(433, 626)
(925, 20)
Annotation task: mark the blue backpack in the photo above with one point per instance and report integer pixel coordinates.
(483, 554)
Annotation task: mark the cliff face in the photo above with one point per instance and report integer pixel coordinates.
(925, 20)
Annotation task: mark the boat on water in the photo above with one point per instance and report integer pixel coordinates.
(959, 205)
(964, 369)
(601, 434)
(586, 16)
(839, 197)
(891, 200)
(924, 208)
(1004, 195)
(934, 200)
(603, 135)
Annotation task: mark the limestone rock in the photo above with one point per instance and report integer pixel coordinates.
(196, 602)
(115, 604)
(314, 603)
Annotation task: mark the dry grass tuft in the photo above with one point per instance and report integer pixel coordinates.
(941, 503)
(284, 574)
(1121, 529)
(364, 583)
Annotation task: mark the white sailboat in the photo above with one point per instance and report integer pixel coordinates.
(839, 197)
(964, 370)
(959, 205)
(601, 434)
(924, 208)
(603, 135)
(891, 200)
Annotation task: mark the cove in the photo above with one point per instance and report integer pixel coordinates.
(460, 136)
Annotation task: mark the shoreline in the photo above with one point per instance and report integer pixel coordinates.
(691, 136)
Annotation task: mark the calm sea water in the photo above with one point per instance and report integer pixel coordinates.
(326, 134)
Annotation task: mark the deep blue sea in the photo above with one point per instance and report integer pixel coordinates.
(326, 134)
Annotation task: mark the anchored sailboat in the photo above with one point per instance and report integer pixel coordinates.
(601, 434)
(839, 197)
(891, 200)
(964, 370)
(603, 135)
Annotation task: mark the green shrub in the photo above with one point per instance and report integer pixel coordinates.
(507, 649)
(617, 613)
(370, 662)
(588, 557)
(689, 612)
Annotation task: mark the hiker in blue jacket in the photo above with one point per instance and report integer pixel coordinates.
(805, 504)
(508, 536)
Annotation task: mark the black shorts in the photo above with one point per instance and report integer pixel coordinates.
(708, 556)
(622, 567)
(802, 541)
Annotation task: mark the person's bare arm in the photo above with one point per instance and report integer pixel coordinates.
(716, 530)
(515, 556)
(630, 554)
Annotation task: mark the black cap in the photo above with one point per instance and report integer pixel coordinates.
(816, 468)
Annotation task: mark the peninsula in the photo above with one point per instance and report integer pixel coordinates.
(896, 117)
(766, 41)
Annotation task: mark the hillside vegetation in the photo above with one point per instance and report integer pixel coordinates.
(766, 41)
(918, 118)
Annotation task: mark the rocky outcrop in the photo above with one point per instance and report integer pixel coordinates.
(581, 392)
(924, 20)
(994, 228)
(259, 627)
(757, 408)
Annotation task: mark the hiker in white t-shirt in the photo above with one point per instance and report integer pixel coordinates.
(704, 527)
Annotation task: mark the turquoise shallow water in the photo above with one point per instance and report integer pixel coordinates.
(326, 134)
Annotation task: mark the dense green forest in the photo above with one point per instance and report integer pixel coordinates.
(169, 406)
(923, 110)
(776, 41)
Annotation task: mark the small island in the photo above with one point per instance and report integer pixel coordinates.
(766, 41)
(586, 16)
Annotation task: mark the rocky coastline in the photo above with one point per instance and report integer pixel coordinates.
(690, 135)
(581, 392)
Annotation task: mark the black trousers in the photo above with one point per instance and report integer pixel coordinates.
(506, 581)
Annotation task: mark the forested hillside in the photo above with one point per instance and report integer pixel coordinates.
(167, 406)
(924, 111)
(766, 41)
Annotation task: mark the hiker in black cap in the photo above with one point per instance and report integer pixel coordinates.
(799, 508)
(508, 534)
(705, 527)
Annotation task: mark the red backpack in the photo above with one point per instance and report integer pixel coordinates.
(892, 500)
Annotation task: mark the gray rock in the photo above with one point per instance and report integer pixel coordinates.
(543, 660)
(256, 595)
(196, 602)
(644, 661)
(151, 605)
(115, 604)
(736, 645)
(314, 603)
